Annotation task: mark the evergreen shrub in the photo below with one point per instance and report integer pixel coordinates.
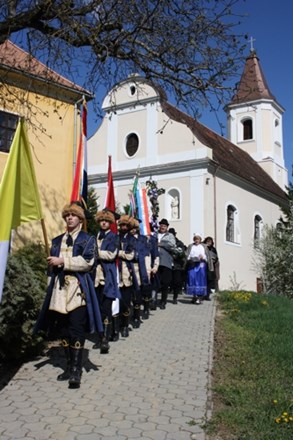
(23, 293)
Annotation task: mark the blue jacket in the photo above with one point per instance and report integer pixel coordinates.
(84, 245)
(110, 268)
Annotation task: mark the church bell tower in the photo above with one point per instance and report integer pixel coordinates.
(255, 121)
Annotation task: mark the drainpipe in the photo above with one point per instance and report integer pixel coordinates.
(215, 205)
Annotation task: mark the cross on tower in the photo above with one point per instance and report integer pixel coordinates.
(251, 44)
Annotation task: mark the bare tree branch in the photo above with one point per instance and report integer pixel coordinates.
(190, 47)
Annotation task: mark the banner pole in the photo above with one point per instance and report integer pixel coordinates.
(45, 237)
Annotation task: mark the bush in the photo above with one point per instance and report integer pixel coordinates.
(23, 293)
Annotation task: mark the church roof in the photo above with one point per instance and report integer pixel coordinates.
(252, 85)
(226, 155)
(15, 59)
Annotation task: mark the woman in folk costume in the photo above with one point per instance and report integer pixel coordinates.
(106, 280)
(213, 266)
(196, 284)
(142, 288)
(126, 256)
(71, 303)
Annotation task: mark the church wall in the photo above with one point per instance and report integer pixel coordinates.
(129, 92)
(237, 258)
(267, 133)
(97, 149)
(51, 136)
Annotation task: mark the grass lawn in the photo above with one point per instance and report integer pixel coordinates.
(253, 368)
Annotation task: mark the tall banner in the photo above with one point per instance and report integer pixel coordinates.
(110, 196)
(110, 204)
(139, 206)
(19, 195)
(143, 211)
(80, 182)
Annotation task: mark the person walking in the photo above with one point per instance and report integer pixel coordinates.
(166, 245)
(196, 283)
(141, 275)
(106, 279)
(126, 257)
(212, 266)
(70, 305)
(179, 258)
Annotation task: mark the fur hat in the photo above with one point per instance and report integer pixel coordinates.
(74, 209)
(164, 222)
(106, 215)
(124, 219)
(134, 222)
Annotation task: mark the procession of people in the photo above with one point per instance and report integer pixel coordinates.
(107, 285)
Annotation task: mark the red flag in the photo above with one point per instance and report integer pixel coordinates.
(79, 188)
(110, 197)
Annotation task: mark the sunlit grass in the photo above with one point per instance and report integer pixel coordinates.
(253, 367)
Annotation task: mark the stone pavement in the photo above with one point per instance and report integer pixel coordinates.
(153, 385)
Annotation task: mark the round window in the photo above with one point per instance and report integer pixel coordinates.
(131, 144)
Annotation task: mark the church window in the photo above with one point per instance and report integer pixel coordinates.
(132, 143)
(258, 224)
(8, 123)
(232, 225)
(247, 129)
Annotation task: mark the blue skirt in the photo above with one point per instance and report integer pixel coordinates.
(196, 284)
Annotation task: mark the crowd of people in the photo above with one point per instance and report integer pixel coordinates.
(106, 285)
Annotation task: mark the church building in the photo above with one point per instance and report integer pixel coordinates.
(224, 188)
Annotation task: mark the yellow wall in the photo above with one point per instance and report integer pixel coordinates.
(50, 126)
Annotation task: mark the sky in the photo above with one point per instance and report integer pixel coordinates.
(271, 27)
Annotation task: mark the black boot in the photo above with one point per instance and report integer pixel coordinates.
(76, 351)
(153, 302)
(136, 316)
(97, 345)
(146, 309)
(163, 300)
(125, 325)
(115, 328)
(66, 373)
(105, 346)
(175, 296)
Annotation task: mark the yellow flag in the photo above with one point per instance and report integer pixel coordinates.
(19, 195)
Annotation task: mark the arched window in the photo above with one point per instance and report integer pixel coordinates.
(247, 129)
(232, 225)
(258, 224)
(132, 143)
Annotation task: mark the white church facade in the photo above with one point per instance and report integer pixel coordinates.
(227, 189)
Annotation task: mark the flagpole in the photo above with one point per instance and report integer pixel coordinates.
(45, 237)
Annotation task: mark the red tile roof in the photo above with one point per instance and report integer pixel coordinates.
(253, 85)
(226, 155)
(15, 58)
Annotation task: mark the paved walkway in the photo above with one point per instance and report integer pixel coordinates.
(153, 385)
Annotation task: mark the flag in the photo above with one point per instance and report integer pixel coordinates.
(132, 197)
(79, 188)
(110, 196)
(19, 196)
(143, 211)
(110, 204)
